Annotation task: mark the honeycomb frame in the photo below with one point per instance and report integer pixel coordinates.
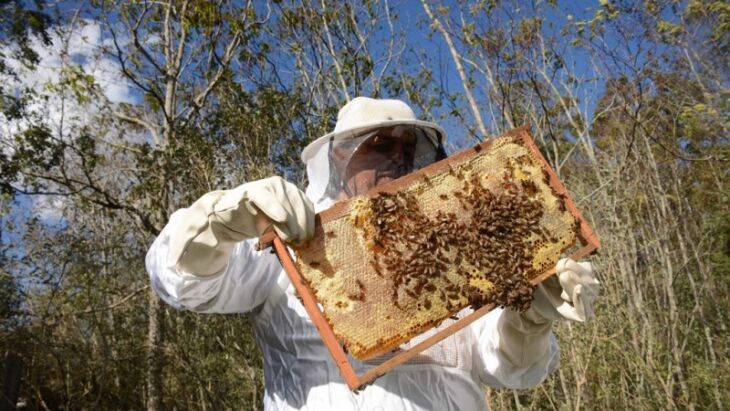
(583, 233)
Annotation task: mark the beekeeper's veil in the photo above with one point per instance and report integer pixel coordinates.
(358, 122)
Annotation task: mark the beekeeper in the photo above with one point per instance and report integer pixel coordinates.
(205, 261)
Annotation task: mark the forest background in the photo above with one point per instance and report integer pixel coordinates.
(114, 114)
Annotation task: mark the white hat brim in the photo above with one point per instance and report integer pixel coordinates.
(311, 149)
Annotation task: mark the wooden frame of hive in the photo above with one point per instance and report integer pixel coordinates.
(585, 235)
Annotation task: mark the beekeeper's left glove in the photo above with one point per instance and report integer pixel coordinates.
(569, 294)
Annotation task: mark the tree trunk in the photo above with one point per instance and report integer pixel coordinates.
(11, 381)
(154, 353)
(459, 69)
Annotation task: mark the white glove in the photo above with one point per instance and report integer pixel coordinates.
(202, 241)
(523, 338)
(569, 294)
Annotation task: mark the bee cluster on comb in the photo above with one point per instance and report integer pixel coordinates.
(486, 247)
(390, 265)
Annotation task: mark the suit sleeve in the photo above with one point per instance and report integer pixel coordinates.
(241, 286)
(513, 352)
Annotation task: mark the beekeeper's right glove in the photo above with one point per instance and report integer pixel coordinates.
(568, 295)
(202, 240)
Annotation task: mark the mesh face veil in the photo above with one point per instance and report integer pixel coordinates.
(346, 167)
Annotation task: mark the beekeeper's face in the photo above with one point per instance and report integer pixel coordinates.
(380, 158)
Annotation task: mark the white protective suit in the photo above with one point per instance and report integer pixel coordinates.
(298, 369)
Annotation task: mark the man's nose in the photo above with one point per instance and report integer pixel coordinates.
(397, 155)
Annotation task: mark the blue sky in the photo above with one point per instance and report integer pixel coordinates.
(411, 22)
(554, 19)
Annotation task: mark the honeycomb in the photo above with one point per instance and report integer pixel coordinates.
(395, 263)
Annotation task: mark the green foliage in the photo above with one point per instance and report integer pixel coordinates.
(669, 31)
(37, 148)
(529, 29)
(73, 79)
(19, 24)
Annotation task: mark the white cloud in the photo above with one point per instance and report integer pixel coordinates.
(79, 47)
(48, 208)
(82, 46)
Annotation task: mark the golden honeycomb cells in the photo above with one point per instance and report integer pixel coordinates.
(396, 263)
